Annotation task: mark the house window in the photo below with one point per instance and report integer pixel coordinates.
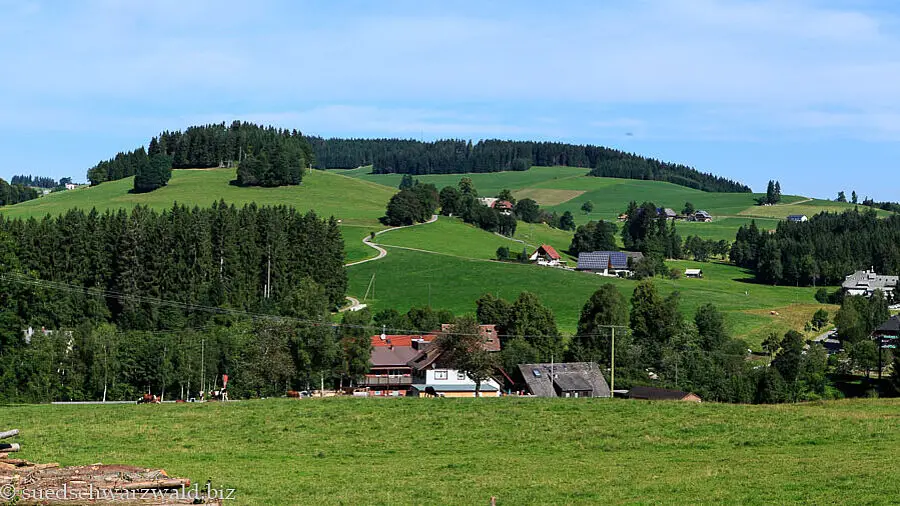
(461, 376)
(440, 375)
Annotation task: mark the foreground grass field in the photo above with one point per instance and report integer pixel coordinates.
(465, 451)
(408, 278)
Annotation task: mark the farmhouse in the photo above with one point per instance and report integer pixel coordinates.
(572, 379)
(661, 394)
(702, 216)
(71, 186)
(608, 263)
(693, 273)
(390, 373)
(866, 282)
(504, 207)
(667, 212)
(487, 201)
(797, 218)
(435, 376)
(546, 255)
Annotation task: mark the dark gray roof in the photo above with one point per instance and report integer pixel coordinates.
(600, 260)
(569, 376)
(703, 213)
(572, 383)
(392, 356)
(796, 217)
(890, 327)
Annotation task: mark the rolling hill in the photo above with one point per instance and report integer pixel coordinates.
(448, 264)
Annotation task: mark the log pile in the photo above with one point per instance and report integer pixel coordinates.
(27, 483)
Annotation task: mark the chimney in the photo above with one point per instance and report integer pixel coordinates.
(383, 336)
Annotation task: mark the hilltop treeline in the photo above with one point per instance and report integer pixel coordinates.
(15, 193)
(36, 181)
(250, 258)
(821, 251)
(389, 156)
(218, 145)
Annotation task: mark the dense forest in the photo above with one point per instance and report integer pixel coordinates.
(249, 258)
(218, 145)
(388, 156)
(35, 181)
(15, 193)
(821, 251)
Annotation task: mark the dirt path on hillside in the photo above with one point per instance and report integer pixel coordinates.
(381, 251)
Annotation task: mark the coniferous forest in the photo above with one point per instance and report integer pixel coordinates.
(821, 251)
(37, 181)
(275, 156)
(458, 156)
(15, 193)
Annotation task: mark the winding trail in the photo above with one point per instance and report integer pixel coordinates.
(381, 251)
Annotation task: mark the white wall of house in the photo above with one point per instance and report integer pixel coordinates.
(444, 377)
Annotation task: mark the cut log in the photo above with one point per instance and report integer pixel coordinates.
(9, 447)
(16, 462)
(9, 433)
(155, 484)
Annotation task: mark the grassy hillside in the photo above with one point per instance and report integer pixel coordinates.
(408, 278)
(465, 451)
(354, 201)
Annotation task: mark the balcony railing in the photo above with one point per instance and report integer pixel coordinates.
(388, 380)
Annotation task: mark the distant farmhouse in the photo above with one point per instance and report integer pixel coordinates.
(608, 263)
(866, 282)
(505, 207)
(661, 394)
(693, 273)
(797, 218)
(572, 379)
(546, 255)
(701, 216)
(667, 212)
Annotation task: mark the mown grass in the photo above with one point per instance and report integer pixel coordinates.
(465, 451)
(450, 236)
(809, 208)
(407, 278)
(348, 199)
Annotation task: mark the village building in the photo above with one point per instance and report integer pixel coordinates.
(488, 201)
(667, 212)
(866, 282)
(71, 186)
(434, 376)
(390, 373)
(546, 255)
(701, 216)
(608, 263)
(504, 207)
(797, 218)
(661, 394)
(568, 380)
(693, 273)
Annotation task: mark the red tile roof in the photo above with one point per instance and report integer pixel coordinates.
(502, 204)
(549, 251)
(400, 340)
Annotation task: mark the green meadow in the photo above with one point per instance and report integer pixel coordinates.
(353, 201)
(466, 451)
(407, 278)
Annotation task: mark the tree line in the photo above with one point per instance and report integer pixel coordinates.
(252, 258)
(453, 156)
(821, 251)
(14, 193)
(275, 156)
(38, 181)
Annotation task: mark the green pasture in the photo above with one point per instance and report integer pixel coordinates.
(466, 451)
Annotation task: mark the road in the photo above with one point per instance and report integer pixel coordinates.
(381, 251)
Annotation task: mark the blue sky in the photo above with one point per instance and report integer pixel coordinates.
(804, 92)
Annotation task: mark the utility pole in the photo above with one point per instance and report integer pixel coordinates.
(202, 369)
(612, 362)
